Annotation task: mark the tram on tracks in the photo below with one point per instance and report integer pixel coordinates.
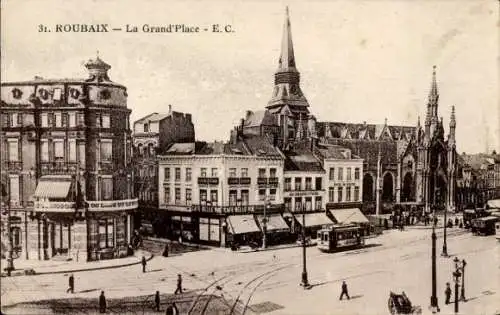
(340, 237)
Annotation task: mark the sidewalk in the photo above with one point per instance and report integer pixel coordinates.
(40, 267)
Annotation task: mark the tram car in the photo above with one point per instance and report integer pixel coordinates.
(340, 237)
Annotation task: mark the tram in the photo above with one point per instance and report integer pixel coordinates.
(339, 237)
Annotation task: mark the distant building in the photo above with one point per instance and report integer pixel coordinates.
(481, 178)
(418, 163)
(66, 166)
(153, 135)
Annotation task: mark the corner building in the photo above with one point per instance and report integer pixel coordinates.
(66, 155)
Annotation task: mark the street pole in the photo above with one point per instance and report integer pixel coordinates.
(434, 300)
(264, 225)
(305, 282)
(444, 253)
(456, 275)
(462, 293)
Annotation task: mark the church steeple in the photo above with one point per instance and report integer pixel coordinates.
(287, 90)
(287, 57)
(433, 94)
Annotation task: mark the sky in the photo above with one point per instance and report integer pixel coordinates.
(359, 60)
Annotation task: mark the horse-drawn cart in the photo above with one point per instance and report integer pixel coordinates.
(401, 304)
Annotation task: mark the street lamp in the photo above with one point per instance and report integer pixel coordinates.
(456, 276)
(444, 253)
(434, 300)
(264, 224)
(305, 282)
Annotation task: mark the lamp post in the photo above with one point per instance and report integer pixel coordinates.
(305, 282)
(264, 225)
(434, 300)
(444, 253)
(462, 291)
(456, 276)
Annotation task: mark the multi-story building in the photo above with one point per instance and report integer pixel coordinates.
(482, 174)
(417, 163)
(153, 135)
(203, 185)
(66, 154)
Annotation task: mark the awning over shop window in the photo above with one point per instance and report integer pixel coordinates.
(495, 203)
(242, 224)
(351, 215)
(275, 222)
(314, 219)
(53, 186)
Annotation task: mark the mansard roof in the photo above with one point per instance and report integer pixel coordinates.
(259, 118)
(365, 131)
(302, 159)
(368, 149)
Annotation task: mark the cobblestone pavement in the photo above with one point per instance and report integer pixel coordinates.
(268, 281)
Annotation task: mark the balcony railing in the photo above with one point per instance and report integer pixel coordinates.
(239, 181)
(268, 181)
(208, 181)
(62, 167)
(239, 209)
(113, 205)
(54, 206)
(14, 165)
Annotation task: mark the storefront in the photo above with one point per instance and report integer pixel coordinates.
(277, 230)
(242, 229)
(313, 222)
(210, 231)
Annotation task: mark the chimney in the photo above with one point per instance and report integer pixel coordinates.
(169, 108)
(249, 112)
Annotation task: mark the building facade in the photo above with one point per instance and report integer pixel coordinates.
(66, 157)
(410, 163)
(153, 135)
(201, 184)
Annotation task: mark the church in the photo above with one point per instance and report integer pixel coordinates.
(414, 164)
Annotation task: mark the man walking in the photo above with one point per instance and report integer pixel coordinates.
(143, 262)
(157, 301)
(447, 293)
(102, 303)
(71, 284)
(344, 291)
(179, 284)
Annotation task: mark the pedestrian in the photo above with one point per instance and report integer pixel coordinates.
(165, 251)
(143, 262)
(71, 284)
(447, 293)
(172, 309)
(386, 224)
(344, 291)
(179, 284)
(102, 303)
(157, 301)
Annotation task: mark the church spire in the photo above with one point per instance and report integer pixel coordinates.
(433, 94)
(287, 92)
(287, 57)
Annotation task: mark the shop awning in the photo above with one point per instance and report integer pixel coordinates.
(495, 203)
(275, 222)
(314, 219)
(350, 215)
(53, 186)
(242, 224)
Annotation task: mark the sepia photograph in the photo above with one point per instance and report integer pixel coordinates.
(250, 157)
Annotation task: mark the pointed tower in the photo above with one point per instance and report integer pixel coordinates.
(287, 92)
(453, 126)
(432, 106)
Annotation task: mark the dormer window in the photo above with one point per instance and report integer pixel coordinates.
(17, 93)
(146, 127)
(74, 93)
(105, 94)
(44, 94)
(57, 94)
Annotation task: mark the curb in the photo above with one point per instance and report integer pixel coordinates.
(22, 271)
